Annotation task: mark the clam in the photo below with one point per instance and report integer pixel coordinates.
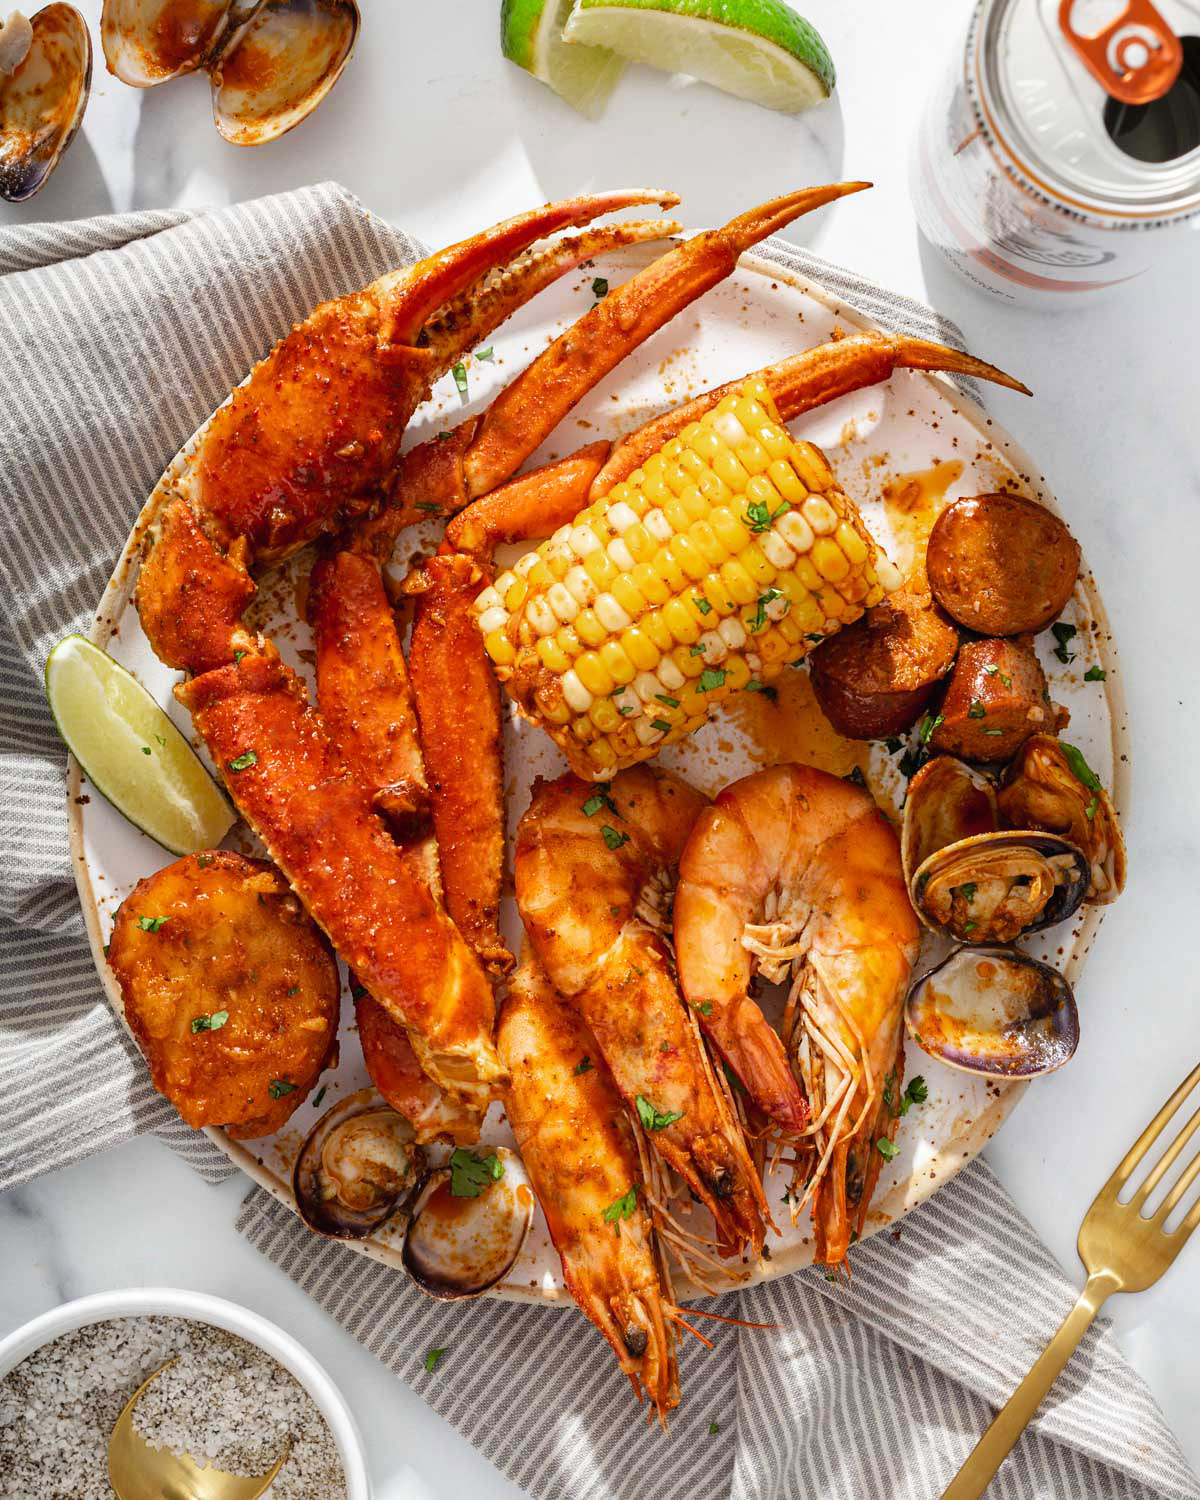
(1050, 786)
(45, 75)
(969, 878)
(358, 1166)
(467, 1228)
(995, 1011)
(270, 62)
(995, 886)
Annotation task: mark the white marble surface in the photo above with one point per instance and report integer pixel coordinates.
(430, 127)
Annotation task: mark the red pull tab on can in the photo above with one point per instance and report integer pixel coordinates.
(1135, 58)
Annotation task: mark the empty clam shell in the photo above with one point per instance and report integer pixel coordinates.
(148, 41)
(43, 94)
(995, 1011)
(995, 886)
(459, 1246)
(1050, 786)
(279, 65)
(358, 1166)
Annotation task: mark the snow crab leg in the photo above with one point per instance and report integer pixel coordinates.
(304, 446)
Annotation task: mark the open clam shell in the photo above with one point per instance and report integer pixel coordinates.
(1049, 786)
(947, 801)
(279, 65)
(43, 93)
(358, 1166)
(459, 1246)
(270, 62)
(995, 1011)
(995, 886)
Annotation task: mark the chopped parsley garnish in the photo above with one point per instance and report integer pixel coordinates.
(706, 1008)
(152, 924)
(731, 1078)
(969, 927)
(488, 353)
(470, 1174)
(759, 622)
(278, 1087)
(664, 698)
(663, 724)
(459, 371)
(1092, 808)
(1063, 633)
(599, 287)
(713, 1427)
(293, 989)
(887, 1149)
(620, 1208)
(812, 635)
(654, 1119)
(209, 1023)
(770, 693)
(968, 888)
(612, 838)
(244, 761)
(759, 514)
(993, 732)
(203, 861)
(161, 738)
(710, 678)
(856, 776)
(625, 711)
(928, 724)
(1079, 767)
(696, 650)
(146, 750)
(237, 656)
(702, 604)
(916, 1093)
(433, 1359)
(444, 437)
(1095, 674)
(976, 710)
(598, 799)
(994, 671)
(431, 506)
(584, 1065)
(319, 1095)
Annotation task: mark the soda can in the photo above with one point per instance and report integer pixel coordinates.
(1053, 163)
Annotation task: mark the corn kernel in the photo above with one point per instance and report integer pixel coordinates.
(851, 544)
(689, 556)
(790, 631)
(732, 633)
(604, 715)
(729, 470)
(577, 697)
(702, 441)
(667, 566)
(795, 531)
(713, 588)
(561, 600)
(516, 594)
(640, 649)
(728, 528)
(610, 614)
(500, 649)
(551, 655)
(712, 648)
(657, 629)
(777, 551)
(680, 621)
(808, 615)
(693, 502)
(755, 563)
(707, 544)
(618, 664)
(600, 569)
(619, 555)
(495, 618)
(890, 576)
(773, 647)
(693, 704)
(594, 675)
(647, 732)
(753, 457)
(583, 541)
(657, 525)
(828, 560)
(589, 628)
(642, 546)
(649, 584)
(541, 616)
(669, 674)
(784, 478)
(625, 593)
(688, 664)
(820, 515)
(539, 575)
(620, 517)
(737, 673)
(808, 575)
(811, 466)
(488, 598)
(742, 588)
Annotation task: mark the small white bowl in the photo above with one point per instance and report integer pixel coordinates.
(169, 1302)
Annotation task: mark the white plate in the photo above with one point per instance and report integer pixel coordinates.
(874, 438)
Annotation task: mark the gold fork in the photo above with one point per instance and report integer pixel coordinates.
(1122, 1251)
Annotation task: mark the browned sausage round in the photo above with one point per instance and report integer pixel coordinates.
(995, 699)
(874, 678)
(1001, 564)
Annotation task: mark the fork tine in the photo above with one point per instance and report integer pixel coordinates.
(1187, 1177)
(1160, 1167)
(1152, 1131)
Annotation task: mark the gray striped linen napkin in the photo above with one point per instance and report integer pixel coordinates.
(118, 336)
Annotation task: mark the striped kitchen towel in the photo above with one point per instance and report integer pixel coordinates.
(872, 1390)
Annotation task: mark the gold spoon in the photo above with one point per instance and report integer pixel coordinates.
(137, 1471)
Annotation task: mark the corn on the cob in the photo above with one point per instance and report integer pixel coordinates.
(724, 558)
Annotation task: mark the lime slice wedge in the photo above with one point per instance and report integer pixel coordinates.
(531, 36)
(131, 752)
(760, 50)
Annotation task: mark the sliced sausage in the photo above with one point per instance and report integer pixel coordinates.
(874, 678)
(1001, 564)
(996, 698)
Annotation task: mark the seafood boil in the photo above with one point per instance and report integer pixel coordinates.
(699, 1037)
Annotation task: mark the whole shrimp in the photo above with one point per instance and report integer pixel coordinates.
(593, 866)
(794, 871)
(582, 1156)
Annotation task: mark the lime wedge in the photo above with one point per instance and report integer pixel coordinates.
(131, 752)
(760, 50)
(531, 36)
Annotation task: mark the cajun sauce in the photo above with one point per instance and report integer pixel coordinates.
(789, 726)
(912, 503)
